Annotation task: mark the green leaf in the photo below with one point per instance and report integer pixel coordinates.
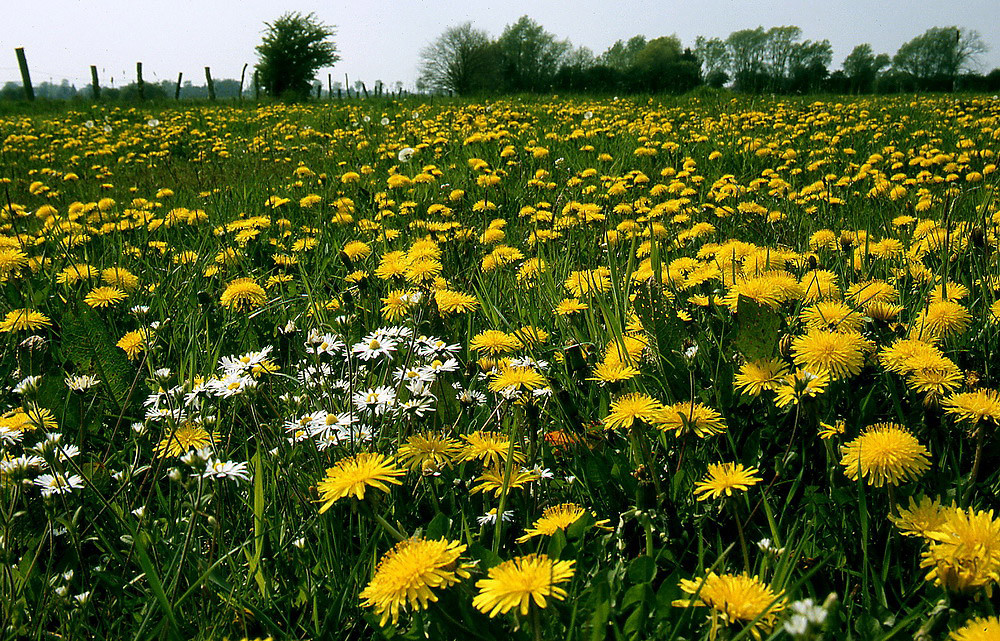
(580, 526)
(602, 612)
(154, 580)
(486, 557)
(635, 621)
(637, 594)
(642, 570)
(439, 526)
(756, 329)
(87, 340)
(556, 544)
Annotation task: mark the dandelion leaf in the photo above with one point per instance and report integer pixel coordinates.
(87, 340)
(665, 329)
(756, 329)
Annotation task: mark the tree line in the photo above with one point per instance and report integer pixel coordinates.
(526, 58)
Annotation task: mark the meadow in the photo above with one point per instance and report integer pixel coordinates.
(700, 368)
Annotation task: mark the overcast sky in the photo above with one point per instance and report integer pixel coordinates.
(381, 39)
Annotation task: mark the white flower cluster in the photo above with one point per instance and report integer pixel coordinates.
(808, 618)
(49, 461)
(387, 374)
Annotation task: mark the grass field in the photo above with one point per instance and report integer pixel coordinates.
(540, 369)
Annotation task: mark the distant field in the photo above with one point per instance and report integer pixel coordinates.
(276, 370)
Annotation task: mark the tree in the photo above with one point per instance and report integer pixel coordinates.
(459, 61)
(861, 66)
(663, 66)
(713, 56)
(530, 56)
(747, 51)
(809, 66)
(936, 57)
(621, 55)
(779, 51)
(293, 49)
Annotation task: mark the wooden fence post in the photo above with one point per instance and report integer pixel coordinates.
(177, 89)
(211, 85)
(94, 82)
(242, 75)
(22, 62)
(347, 83)
(138, 81)
(329, 86)
(364, 88)
(256, 85)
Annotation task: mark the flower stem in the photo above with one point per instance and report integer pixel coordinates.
(743, 541)
(976, 461)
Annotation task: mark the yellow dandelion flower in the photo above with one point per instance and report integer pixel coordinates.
(104, 296)
(723, 478)
(606, 372)
(396, 305)
(516, 379)
(493, 341)
(520, 582)
(242, 295)
(351, 476)
(756, 376)
(885, 454)
(935, 375)
(428, 452)
(689, 417)
(964, 551)
(120, 277)
(979, 629)
(629, 408)
(451, 302)
(489, 447)
(409, 573)
(188, 436)
(357, 249)
(735, 599)
(582, 283)
(833, 315)
(20, 320)
(570, 306)
(828, 431)
(798, 386)
(974, 407)
(839, 354)
(941, 319)
(492, 480)
(819, 284)
(553, 519)
(905, 353)
(134, 343)
(920, 519)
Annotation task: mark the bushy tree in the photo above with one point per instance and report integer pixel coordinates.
(663, 66)
(747, 56)
(530, 56)
(936, 57)
(861, 67)
(460, 60)
(621, 55)
(293, 49)
(713, 56)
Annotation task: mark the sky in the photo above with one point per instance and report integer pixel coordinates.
(381, 39)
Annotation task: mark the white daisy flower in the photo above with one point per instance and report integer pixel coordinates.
(58, 483)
